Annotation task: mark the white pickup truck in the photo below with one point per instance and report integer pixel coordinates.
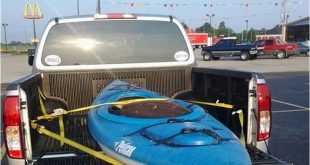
(78, 56)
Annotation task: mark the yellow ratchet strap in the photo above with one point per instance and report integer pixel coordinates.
(222, 105)
(60, 112)
(41, 98)
(98, 154)
(240, 115)
(60, 119)
(61, 129)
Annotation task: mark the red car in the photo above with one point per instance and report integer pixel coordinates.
(275, 47)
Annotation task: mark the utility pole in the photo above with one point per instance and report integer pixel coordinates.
(5, 39)
(98, 11)
(284, 18)
(78, 7)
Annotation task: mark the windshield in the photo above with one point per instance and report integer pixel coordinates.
(114, 42)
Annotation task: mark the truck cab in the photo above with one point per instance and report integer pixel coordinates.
(78, 56)
(229, 47)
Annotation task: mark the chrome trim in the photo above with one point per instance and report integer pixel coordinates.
(253, 51)
(25, 121)
(40, 66)
(252, 106)
(263, 145)
(58, 156)
(12, 161)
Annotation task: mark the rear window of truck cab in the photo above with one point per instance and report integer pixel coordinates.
(114, 42)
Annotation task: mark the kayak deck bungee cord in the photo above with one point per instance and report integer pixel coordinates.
(143, 131)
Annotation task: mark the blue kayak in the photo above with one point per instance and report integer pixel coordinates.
(160, 132)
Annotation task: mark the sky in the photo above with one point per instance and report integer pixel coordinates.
(260, 13)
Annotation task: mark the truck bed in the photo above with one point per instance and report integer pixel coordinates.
(79, 89)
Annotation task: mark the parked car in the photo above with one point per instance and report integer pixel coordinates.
(229, 47)
(303, 48)
(275, 47)
(78, 56)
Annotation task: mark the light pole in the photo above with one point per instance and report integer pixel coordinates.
(98, 7)
(34, 32)
(78, 7)
(246, 29)
(210, 19)
(5, 40)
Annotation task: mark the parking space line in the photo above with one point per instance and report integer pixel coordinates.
(290, 104)
(292, 110)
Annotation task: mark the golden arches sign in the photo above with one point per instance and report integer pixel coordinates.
(32, 11)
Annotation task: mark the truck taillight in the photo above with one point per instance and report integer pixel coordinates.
(12, 129)
(264, 112)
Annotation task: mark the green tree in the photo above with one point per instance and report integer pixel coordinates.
(205, 28)
(222, 30)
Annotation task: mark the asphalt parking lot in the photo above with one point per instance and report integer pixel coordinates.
(288, 80)
(289, 83)
(290, 116)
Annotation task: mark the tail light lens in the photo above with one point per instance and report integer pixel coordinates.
(12, 131)
(264, 112)
(115, 16)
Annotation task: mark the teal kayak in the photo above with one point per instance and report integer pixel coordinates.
(160, 132)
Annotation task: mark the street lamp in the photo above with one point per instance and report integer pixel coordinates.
(98, 7)
(5, 40)
(78, 7)
(246, 29)
(210, 19)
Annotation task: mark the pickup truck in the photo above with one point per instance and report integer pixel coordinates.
(78, 56)
(275, 47)
(229, 47)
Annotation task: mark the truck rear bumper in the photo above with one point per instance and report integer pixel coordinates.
(258, 158)
(10, 161)
(261, 158)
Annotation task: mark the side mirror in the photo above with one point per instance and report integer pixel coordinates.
(31, 53)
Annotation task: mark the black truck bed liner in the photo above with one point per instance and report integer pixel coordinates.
(75, 129)
(77, 126)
